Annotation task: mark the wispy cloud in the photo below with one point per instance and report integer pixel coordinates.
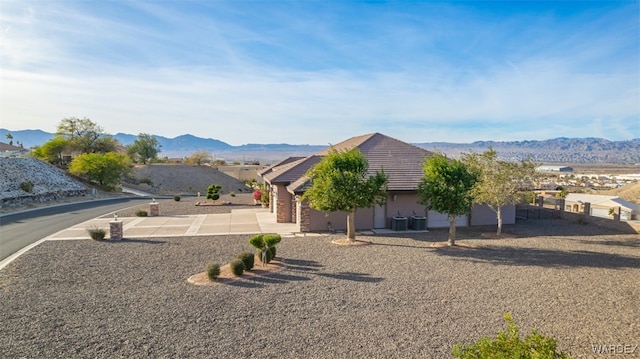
(266, 72)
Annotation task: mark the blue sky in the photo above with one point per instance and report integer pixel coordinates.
(318, 72)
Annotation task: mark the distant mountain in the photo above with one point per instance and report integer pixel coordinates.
(183, 143)
(28, 138)
(557, 150)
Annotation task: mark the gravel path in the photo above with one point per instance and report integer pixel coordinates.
(397, 298)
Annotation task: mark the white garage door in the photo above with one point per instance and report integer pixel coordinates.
(441, 220)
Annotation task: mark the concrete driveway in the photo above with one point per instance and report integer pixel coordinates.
(240, 221)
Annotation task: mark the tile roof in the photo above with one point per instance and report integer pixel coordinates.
(401, 161)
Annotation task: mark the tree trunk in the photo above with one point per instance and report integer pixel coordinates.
(351, 225)
(499, 221)
(452, 230)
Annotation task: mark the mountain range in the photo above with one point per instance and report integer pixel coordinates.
(557, 150)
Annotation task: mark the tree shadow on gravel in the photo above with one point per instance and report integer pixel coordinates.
(632, 243)
(356, 277)
(303, 265)
(540, 257)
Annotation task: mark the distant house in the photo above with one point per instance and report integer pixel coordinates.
(600, 205)
(554, 169)
(402, 162)
(8, 150)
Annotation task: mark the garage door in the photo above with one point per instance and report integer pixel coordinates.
(441, 220)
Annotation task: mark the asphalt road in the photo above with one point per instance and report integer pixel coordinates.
(18, 230)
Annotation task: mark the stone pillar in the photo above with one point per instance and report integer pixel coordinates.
(154, 209)
(560, 203)
(115, 230)
(305, 217)
(540, 201)
(587, 209)
(281, 212)
(294, 208)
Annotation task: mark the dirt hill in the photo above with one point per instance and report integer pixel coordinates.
(629, 192)
(183, 179)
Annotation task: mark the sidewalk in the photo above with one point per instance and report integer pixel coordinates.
(240, 221)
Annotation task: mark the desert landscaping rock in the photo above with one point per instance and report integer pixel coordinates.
(399, 297)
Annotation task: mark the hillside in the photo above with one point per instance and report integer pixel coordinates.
(629, 192)
(49, 183)
(184, 179)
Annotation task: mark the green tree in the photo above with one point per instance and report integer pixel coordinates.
(10, 138)
(341, 182)
(86, 136)
(446, 187)
(144, 149)
(499, 182)
(51, 151)
(104, 169)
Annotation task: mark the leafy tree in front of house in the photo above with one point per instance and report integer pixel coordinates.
(499, 182)
(52, 150)
(144, 149)
(106, 170)
(341, 182)
(447, 188)
(86, 136)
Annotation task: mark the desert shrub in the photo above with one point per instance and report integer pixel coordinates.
(213, 271)
(26, 186)
(270, 240)
(176, 198)
(232, 194)
(256, 241)
(97, 234)
(508, 344)
(248, 258)
(237, 267)
(271, 253)
(147, 180)
(213, 192)
(141, 213)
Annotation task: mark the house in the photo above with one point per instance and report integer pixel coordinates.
(402, 162)
(9, 150)
(600, 205)
(554, 169)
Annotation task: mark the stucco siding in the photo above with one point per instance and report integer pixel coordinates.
(483, 215)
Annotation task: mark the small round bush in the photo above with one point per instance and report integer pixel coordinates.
(213, 271)
(26, 186)
(176, 198)
(237, 267)
(141, 213)
(248, 258)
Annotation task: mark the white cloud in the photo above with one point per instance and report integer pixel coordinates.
(132, 77)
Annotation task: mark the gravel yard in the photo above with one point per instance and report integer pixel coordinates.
(397, 298)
